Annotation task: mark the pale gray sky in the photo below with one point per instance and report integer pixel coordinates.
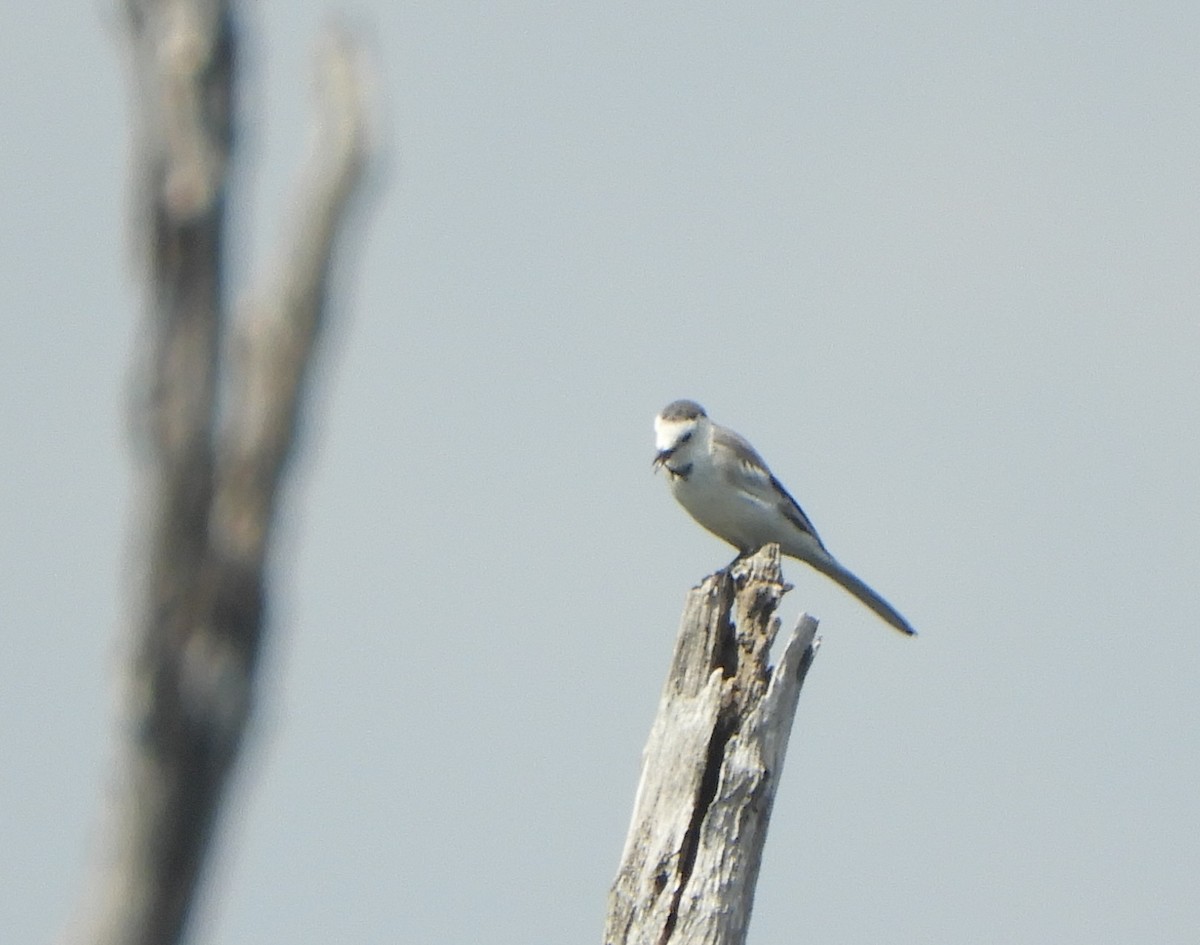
(942, 266)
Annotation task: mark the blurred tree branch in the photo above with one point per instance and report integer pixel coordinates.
(219, 421)
(712, 765)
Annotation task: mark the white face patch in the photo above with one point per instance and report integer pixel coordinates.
(668, 432)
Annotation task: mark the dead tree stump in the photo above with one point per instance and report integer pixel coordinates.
(712, 764)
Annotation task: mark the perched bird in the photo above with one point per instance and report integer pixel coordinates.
(726, 487)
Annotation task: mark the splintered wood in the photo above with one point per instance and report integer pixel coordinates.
(712, 764)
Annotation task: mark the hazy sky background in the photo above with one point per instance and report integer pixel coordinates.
(939, 262)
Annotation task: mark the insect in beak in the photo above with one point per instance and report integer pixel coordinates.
(661, 459)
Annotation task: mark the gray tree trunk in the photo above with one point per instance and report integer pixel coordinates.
(219, 400)
(712, 765)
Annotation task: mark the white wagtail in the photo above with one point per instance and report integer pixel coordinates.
(726, 487)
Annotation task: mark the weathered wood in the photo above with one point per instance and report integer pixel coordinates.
(712, 764)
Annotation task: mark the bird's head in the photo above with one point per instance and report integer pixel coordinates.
(680, 428)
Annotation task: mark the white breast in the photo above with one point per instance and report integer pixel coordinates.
(744, 519)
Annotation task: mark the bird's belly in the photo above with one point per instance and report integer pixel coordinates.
(737, 517)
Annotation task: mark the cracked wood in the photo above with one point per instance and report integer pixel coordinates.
(712, 763)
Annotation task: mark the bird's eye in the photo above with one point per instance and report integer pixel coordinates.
(687, 436)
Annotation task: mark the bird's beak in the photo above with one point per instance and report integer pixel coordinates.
(661, 459)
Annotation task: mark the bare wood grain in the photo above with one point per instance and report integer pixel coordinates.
(712, 764)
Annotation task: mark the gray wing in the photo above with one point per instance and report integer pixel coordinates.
(752, 473)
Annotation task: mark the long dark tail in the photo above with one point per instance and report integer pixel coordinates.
(829, 567)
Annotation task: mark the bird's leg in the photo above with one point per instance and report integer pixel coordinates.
(738, 557)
